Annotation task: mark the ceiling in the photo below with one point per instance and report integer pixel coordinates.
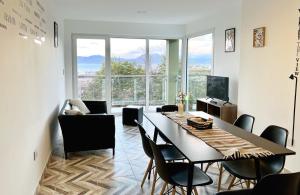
(140, 11)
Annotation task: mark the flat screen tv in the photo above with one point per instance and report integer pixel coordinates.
(217, 87)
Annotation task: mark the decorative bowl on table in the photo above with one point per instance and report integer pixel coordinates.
(200, 123)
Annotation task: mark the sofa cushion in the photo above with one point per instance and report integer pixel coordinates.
(79, 103)
(74, 111)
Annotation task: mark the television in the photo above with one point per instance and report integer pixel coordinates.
(217, 87)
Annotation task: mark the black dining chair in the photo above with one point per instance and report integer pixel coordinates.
(245, 122)
(276, 184)
(169, 152)
(169, 108)
(176, 173)
(246, 170)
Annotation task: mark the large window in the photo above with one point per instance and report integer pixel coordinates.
(91, 69)
(145, 72)
(158, 72)
(134, 72)
(128, 61)
(199, 64)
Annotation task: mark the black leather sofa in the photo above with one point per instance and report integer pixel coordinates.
(87, 132)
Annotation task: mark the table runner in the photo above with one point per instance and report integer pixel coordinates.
(231, 146)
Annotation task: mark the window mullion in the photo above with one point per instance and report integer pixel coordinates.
(108, 81)
(74, 68)
(184, 83)
(147, 71)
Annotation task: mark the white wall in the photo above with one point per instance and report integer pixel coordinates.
(32, 88)
(225, 64)
(265, 90)
(115, 29)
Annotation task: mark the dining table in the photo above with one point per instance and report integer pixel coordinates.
(197, 151)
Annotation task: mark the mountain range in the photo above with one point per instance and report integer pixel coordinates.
(155, 59)
(96, 59)
(94, 62)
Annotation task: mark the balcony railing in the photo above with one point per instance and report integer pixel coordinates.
(126, 89)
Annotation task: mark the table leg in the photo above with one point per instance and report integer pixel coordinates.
(155, 134)
(257, 168)
(190, 178)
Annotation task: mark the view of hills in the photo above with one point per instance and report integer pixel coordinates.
(94, 62)
(96, 59)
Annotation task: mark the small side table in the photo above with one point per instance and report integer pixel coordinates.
(131, 113)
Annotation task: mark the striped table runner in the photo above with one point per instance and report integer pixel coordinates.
(231, 146)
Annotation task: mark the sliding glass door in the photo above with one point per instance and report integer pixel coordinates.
(199, 64)
(90, 69)
(128, 62)
(158, 72)
(122, 71)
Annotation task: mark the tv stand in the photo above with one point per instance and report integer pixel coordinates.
(227, 102)
(213, 101)
(223, 110)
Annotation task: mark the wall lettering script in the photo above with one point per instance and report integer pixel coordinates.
(40, 6)
(24, 6)
(3, 26)
(37, 15)
(29, 21)
(33, 32)
(298, 50)
(17, 13)
(29, 2)
(9, 18)
(23, 27)
(24, 18)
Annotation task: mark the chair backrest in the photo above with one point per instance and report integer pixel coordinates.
(279, 184)
(161, 165)
(169, 108)
(146, 145)
(96, 107)
(245, 122)
(277, 135)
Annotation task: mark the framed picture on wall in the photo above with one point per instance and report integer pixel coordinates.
(259, 37)
(55, 35)
(230, 40)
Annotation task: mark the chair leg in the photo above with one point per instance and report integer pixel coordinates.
(154, 182)
(248, 184)
(195, 191)
(182, 191)
(149, 167)
(149, 173)
(66, 155)
(231, 183)
(163, 188)
(114, 152)
(174, 190)
(220, 177)
(208, 165)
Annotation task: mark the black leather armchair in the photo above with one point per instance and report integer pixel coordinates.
(87, 132)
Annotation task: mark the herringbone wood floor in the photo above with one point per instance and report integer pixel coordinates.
(98, 172)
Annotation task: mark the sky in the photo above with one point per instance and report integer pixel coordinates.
(200, 45)
(89, 47)
(132, 48)
(123, 48)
